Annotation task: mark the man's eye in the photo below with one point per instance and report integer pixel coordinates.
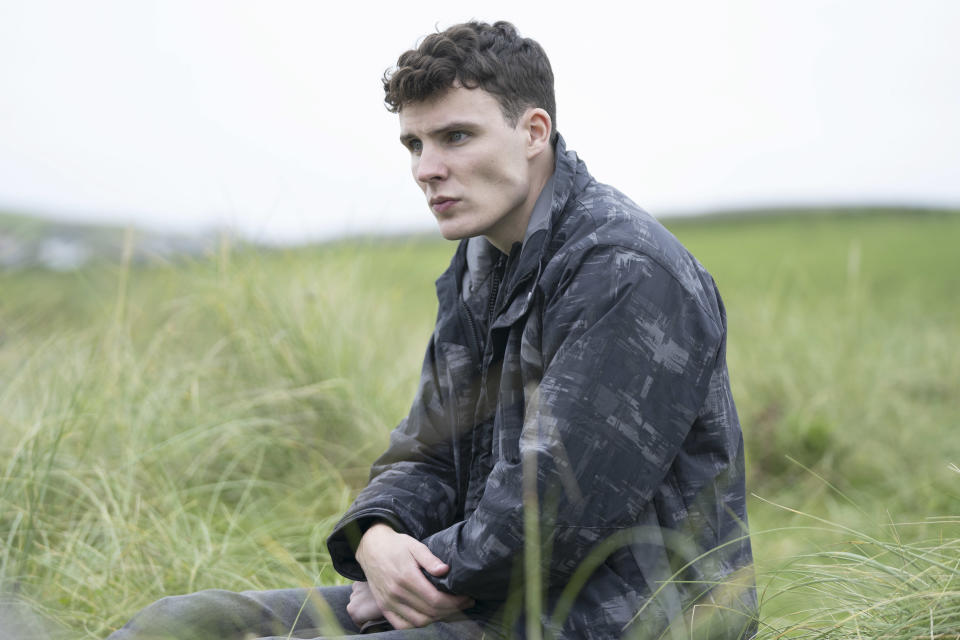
(415, 146)
(458, 136)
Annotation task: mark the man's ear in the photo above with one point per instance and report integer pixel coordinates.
(538, 127)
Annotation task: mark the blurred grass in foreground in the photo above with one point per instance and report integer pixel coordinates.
(178, 427)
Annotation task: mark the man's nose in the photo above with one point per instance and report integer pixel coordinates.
(430, 165)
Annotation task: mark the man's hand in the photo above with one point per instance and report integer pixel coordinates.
(392, 563)
(362, 607)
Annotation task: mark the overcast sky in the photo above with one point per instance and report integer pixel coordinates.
(267, 117)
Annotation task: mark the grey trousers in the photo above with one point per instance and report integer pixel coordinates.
(318, 614)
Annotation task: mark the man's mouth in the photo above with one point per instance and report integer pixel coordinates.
(440, 204)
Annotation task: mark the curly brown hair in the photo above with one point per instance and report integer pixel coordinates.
(494, 58)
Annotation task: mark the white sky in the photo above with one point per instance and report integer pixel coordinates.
(267, 117)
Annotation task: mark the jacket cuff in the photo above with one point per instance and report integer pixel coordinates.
(343, 541)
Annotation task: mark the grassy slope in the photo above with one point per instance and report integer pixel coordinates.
(176, 428)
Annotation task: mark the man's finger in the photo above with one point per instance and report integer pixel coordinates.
(405, 617)
(415, 591)
(396, 620)
(410, 591)
(425, 598)
(425, 558)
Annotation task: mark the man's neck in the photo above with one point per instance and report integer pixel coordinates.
(515, 229)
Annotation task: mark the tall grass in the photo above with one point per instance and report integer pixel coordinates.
(193, 426)
(180, 426)
(868, 586)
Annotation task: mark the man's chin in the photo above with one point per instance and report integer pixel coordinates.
(450, 232)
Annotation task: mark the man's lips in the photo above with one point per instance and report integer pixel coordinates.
(440, 204)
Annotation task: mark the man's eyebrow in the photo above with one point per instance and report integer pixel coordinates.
(440, 130)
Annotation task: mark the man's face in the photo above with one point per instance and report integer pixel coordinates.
(471, 165)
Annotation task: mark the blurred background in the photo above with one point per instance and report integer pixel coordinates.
(266, 119)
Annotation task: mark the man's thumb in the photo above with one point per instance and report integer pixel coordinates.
(431, 563)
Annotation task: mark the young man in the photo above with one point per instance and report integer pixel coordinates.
(573, 444)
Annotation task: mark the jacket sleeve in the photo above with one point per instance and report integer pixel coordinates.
(626, 353)
(413, 484)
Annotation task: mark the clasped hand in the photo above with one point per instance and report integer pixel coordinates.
(393, 564)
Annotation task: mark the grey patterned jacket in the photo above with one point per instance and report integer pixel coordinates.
(583, 375)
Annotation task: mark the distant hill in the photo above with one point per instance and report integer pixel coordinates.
(31, 241)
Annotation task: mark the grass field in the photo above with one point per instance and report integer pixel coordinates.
(173, 427)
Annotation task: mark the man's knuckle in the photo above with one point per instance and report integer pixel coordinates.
(392, 618)
(420, 619)
(409, 577)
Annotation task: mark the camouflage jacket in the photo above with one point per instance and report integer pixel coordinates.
(582, 379)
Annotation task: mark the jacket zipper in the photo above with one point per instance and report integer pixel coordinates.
(494, 291)
(473, 336)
